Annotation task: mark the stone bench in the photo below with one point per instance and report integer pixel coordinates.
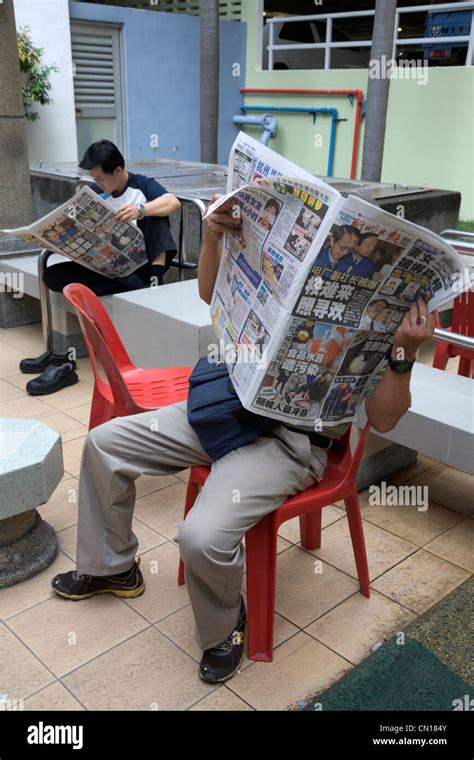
(31, 466)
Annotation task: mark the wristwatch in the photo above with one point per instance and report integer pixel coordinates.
(141, 210)
(400, 366)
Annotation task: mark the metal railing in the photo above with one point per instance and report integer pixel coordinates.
(329, 45)
(462, 241)
(181, 263)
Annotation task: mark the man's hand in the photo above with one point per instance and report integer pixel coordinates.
(127, 213)
(224, 219)
(391, 398)
(416, 327)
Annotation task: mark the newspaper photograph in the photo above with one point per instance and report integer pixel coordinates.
(84, 230)
(310, 292)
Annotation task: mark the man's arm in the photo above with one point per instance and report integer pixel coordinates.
(391, 398)
(215, 226)
(163, 206)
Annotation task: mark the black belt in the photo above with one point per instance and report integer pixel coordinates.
(316, 439)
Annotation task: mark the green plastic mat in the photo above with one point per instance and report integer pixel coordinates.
(429, 671)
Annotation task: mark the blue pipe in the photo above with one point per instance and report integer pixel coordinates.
(267, 122)
(314, 111)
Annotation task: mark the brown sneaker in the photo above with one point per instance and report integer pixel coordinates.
(74, 585)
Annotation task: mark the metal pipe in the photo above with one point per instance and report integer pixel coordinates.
(44, 301)
(314, 111)
(358, 94)
(446, 336)
(267, 122)
(327, 51)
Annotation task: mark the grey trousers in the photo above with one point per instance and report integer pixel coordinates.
(243, 486)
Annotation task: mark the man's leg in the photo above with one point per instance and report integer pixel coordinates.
(158, 442)
(57, 276)
(243, 486)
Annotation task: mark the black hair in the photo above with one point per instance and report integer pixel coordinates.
(345, 229)
(274, 203)
(366, 235)
(105, 154)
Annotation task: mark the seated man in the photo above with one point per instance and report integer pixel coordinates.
(264, 472)
(135, 197)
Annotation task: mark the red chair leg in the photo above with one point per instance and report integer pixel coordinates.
(310, 529)
(464, 368)
(191, 495)
(358, 542)
(261, 555)
(101, 410)
(441, 356)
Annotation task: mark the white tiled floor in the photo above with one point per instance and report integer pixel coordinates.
(108, 653)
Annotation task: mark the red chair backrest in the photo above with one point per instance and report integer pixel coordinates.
(103, 342)
(463, 314)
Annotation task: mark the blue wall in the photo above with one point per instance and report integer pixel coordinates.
(161, 79)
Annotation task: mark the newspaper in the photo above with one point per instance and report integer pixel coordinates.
(306, 308)
(84, 230)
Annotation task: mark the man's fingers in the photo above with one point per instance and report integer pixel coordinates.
(412, 316)
(225, 219)
(228, 204)
(422, 308)
(217, 227)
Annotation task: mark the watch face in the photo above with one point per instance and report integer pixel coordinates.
(402, 365)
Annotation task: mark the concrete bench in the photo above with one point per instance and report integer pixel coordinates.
(166, 326)
(22, 271)
(440, 421)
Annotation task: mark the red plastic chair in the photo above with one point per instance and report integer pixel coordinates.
(463, 323)
(338, 482)
(130, 389)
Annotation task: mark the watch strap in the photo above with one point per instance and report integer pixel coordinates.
(399, 365)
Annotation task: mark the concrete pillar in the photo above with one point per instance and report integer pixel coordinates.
(15, 187)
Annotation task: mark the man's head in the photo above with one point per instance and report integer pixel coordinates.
(367, 244)
(105, 164)
(343, 241)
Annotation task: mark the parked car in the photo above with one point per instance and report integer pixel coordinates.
(309, 32)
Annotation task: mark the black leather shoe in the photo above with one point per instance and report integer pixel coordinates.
(36, 365)
(52, 380)
(76, 586)
(222, 661)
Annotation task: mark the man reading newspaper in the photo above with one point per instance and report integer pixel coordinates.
(136, 198)
(265, 472)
